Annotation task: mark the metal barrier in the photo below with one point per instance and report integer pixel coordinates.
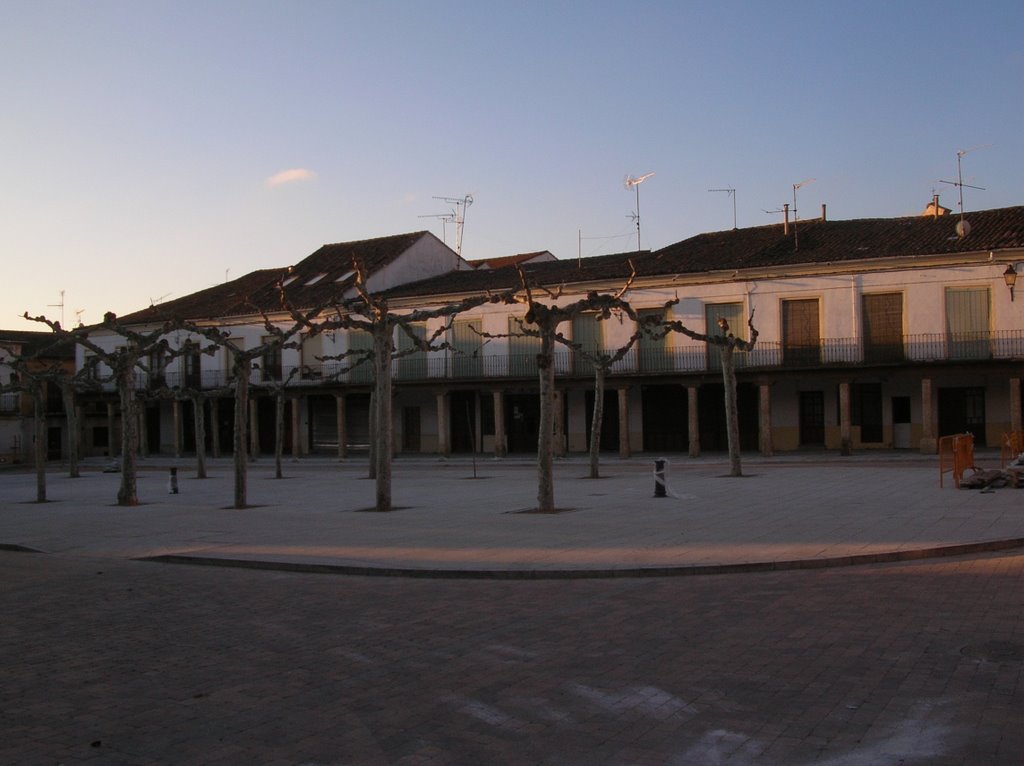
(1012, 445)
(956, 455)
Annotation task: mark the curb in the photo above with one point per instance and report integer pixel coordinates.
(917, 554)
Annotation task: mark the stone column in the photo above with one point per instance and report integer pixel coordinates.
(559, 424)
(176, 412)
(845, 443)
(624, 448)
(1015, 419)
(929, 441)
(339, 407)
(500, 446)
(693, 421)
(443, 447)
(215, 426)
(764, 423)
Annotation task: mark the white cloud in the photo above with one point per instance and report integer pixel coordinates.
(293, 175)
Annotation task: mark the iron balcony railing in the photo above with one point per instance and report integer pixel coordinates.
(640, 361)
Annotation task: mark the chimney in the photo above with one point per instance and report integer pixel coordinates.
(823, 217)
(785, 219)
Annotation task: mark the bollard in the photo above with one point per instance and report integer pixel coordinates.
(172, 482)
(659, 477)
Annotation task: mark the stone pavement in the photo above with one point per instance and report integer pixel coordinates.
(786, 512)
(111, 660)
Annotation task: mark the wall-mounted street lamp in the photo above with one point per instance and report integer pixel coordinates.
(1010, 277)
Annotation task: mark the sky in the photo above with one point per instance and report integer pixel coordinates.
(151, 149)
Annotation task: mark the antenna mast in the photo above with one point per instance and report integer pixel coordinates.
(458, 215)
(61, 305)
(634, 183)
(963, 228)
(732, 193)
(796, 236)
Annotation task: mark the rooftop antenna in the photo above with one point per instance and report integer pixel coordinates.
(459, 216)
(796, 236)
(154, 301)
(61, 305)
(446, 218)
(634, 183)
(732, 193)
(78, 316)
(963, 228)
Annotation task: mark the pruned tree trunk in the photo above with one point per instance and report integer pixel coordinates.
(381, 449)
(128, 494)
(199, 419)
(39, 425)
(71, 411)
(546, 433)
(241, 436)
(372, 436)
(596, 421)
(732, 422)
(278, 433)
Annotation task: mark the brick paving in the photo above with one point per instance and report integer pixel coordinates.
(109, 661)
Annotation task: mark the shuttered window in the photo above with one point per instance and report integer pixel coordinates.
(801, 334)
(588, 333)
(883, 327)
(522, 349)
(967, 322)
(732, 313)
(467, 361)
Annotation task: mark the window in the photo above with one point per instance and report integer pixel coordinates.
(466, 341)
(652, 348)
(588, 332)
(801, 336)
(413, 362)
(732, 314)
(156, 369)
(193, 369)
(310, 351)
(967, 322)
(271, 359)
(882, 319)
(361, 342)
(522, 349)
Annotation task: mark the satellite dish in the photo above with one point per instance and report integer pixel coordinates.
(963, 228)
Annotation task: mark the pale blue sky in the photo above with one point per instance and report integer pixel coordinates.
(137, 138)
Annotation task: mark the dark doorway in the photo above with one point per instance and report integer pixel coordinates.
(54, 437)
(609, 420)
(867, 412)
(901, 426)
(522, 421)
(714, 435)
(665, 422)
(812, 418)
(153, 430)
(225, 424)
(962, 410)
(357, 422)
(267, 416)
(462, 417)
(410, 429)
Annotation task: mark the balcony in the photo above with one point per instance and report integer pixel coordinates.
(934, 348)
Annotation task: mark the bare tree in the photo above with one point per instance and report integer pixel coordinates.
(370, 312)
(728, 344)
(542, 321)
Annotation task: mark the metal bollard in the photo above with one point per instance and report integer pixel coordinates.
(172, 482)
(659, 477)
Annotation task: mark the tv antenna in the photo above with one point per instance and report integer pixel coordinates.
(458, 216)
(154, 301)
(78, 316)
(963, 228)
(446, 218)
(61, 305)
(796, 237)
(732, 193)
(634, 183)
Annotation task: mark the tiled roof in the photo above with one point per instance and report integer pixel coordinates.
(838, 241)
(32, 341)
(511, 260)
(317, 278)
(550, 273)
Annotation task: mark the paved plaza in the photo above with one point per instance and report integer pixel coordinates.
(850, 612)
